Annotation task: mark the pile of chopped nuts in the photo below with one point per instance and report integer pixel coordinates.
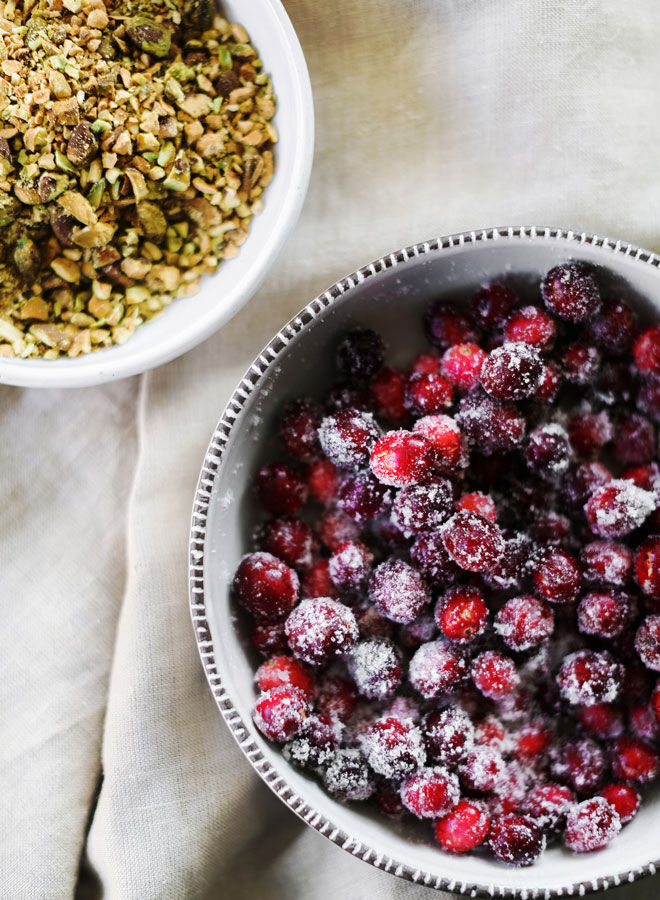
(135, 145)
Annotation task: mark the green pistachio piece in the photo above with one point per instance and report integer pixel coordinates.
(149, 36)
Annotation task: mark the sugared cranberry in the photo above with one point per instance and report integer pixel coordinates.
(556, 575)
(550, 384)
(447, 324)
(489, 423)
(290, 539)
(644, 722)
(588, 677)
(436, 668)
(268, 638)
(316, 581)
(472, 541)
(335, 527)
(494, 674)
(336, 697)
(647, 642)
(602, 720)
(607, 563)
(401, 458)
(315, 743)
(482, 768)
(279, 713)
(461, 614)
(490, 732)
(646, 351)
(464, 828)
(549, 804)
(427, 394)
(389, 393)
(393, 748)
(623, 798)
(348, 437)
(588, 433)
(266, 586)
(524, 622)
(398, 591)
(360, 354)
(462, 364)
(322, 480)
(579, 484)
(647, 566)
(512, 371)
(298, 429)
(319, 629)
(532, 742)
(430, 793)
(375, 666)
(550, 528)
(280, 670)
(531, 325)
(448, 735)
(579, 363)
(618, 507)
(602, 614)
(350, 567)
(570, 291)
(280, 489)
(509, 570)
(634, 440)
(492, 303)
(478, 502)
(516, 840)
(580, 764)
(348, 776)
(422, 507)
(634, 760)
(444, 435)
(613, 328)
(429, 555)
(548, 451)
(591, 825)
(427, 362)
(362, 496)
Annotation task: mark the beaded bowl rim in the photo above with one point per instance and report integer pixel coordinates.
(210, 471)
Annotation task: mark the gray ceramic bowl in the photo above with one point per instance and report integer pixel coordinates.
(389, 295)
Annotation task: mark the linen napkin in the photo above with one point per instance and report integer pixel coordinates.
(432, 116)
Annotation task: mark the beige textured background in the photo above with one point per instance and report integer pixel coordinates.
(432, 116)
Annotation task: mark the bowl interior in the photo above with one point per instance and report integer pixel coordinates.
(190, 320)
(392, 301)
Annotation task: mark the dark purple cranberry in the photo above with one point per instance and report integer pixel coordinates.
(516, 840)
(492, 303)
(579, 363)
(613, 328)
(512, 371)
(280, 489)
(290, 539)
(588, 433)
(362, 496)
(489, 424)
(448, 324)
(348, 437)
(634, 440)
(448, 735)
(350, 567)
(509, 571)
(570, 291)
(315, 743)
(648, 397)
(429, 555)
(398, 591)
(580, 483)
(360, 354)
(580, 764)
(422, 507)
(548, 451)
(550, 528)
(298, 429)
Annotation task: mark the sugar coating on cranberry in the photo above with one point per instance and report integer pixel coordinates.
(289, 539)
(265, 586)
(589, 676)
(336, 697)
(603, 614)
(612, 330)
(549, 804)
(448, 735)
(579, 363)
(436, 669)
(512, 371)
(348, 776)
(431, 792)
(481, 768)
(548, 451)
(524, 622)
(634, 760)
(472, 541)
(647, 566)
(465, 827)
(401, 458)
(427, 393)
(393, 749)
(319, 629)
(349, 568)
(607, 563)
(348, 437)
(516, 840)
(362, 497)
(422, 507)
(581, 764)
(556, 576)
(280, 489)
(510, 569)
(360, 354)
(489, 423)
(446, 438)
(375, 667)
(623, 798)
(646, 350)
(647, 642)
(570, 292)
(314, 745)
(462, 364)
(280, 670)
(477, 501)
(618, 507)
(269, 638)
(298, 429)
(591, 825)
(429, 555)
(531, 325)
(279, 713)
(462, 614)
(494, 674)
(580, 483)
(398, 591)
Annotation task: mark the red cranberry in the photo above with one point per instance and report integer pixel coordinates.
(643, 722)
(462, 614)
(532, 742)
(422, 507)
(315, 743)
(429, 555)
(350, 567)
(348, 776)
(268, 638)
(623, 798)
(360, 354)
(428, 394)
(550, 384)
(591, 825)
(490, 424)
(461, 365)
(606, 562)
(319, 629)
(393, 748)
(510, 569)
(335, 527)
(491, 733)
(602, 720)
(531, 325)
(602, 614)
(436, 668)
(336, 697)
(581, 764)
(587, 677)
(398, 591)
(549, 804)
(290, 539)
(347, 396)
(448, 735)
(550, 528)
(647, 566)
(655, 701)
(588, 433)
(478, 502)
(280, 489)
(265, 586)
(579, 363)
(492, 303)
(646, 350)
(316, 581)
(570, 291)
(375, 666)
(445, 437)
(647, 642)
(548, 452)
(494, 674)
(322, 480)
(481, 768)
(279, 713)
(613, 328)
(512, 371)
(401, 458)
(556, 576)
(298, 429)
(362, 496)
(516, 840)
(427, 362)
(348, 437)
(464, 828)
(634, 760)
(430, 793)
(474, 543)
(389, 393)
(579, 484)
(524, 622)
(634, 440)
(618, 507)
(644, 476)
(447, 324)
(280, 670)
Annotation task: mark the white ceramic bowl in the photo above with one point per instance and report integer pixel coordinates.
(389, 295)
(187, 322)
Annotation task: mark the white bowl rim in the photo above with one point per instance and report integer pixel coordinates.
(211, 469)
(100, 367)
